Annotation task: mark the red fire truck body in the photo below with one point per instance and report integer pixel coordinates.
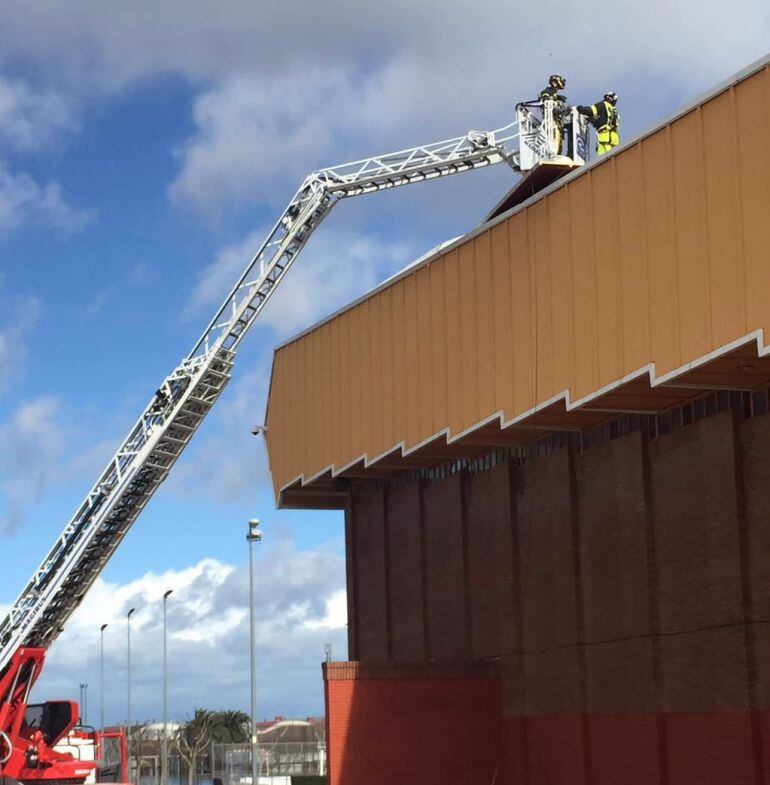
(42, 742)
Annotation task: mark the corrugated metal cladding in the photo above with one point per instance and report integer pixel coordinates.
(659, 254)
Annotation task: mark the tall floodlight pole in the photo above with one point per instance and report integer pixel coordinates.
(128, 688)
(164, 752)
(254, 535)
(101, 677)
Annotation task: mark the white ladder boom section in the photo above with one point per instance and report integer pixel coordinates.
(315, 198)
(170, 419)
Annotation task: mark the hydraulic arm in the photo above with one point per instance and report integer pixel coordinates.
(188, 393)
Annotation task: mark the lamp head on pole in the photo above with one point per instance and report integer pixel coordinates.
(167, 594)
(103, 627)
(128, 615)
(254, 535)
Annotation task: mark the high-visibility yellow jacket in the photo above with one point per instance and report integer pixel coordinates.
(604, 117)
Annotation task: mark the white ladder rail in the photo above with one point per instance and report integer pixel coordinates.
(166, 426)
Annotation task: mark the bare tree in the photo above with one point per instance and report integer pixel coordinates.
(191, 739)
(138, 736)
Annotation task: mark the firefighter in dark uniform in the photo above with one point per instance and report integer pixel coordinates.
(557, 82)
(604, 117)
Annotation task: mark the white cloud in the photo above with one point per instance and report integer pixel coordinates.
(24, 201)
(259, 130)
(256, 135)
(336, 267)
(30, 119)
(113, 43)
(301, 607)
(21, 318)
(282, 91)
(31, 444)
(33, 120)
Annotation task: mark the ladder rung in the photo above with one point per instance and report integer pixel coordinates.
(201, 401)
(158, 451)
(168, 438)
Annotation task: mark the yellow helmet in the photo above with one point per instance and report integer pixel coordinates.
(557, 81)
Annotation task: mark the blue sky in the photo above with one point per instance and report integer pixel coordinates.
(144, 148)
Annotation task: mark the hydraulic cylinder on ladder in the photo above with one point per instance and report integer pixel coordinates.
(176, 411)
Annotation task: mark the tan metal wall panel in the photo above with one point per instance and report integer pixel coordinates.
(375, 358)
(351, 393)
(727, 272)
(540, 252)
(657, 255)
(317, 393)
(324, 395)
(523, 313)
(424, 350)
(752, 99)
(485, 324)
(386, 319)
(438, 342)
(411, 371)
(609, 319)
(692, 258)
(469, 366)
(397, 424)
(337, 403)
(632, 250)
(501, 303)
(661, 251)
(453, 333)
(584, 290)
(560, 278)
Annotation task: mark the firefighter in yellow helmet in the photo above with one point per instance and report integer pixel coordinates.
(604, 117)
(556, 82)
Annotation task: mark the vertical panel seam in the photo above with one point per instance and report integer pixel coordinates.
(646, 250)
(738, 197)
(706, 244)
(353, 622)
(424, 571)
(653, 579)
(675, 245)
(518, 632)
(388, 593)
(579, 610)
(619, 284)
(573, 332)
(467, 612)
(752, 681)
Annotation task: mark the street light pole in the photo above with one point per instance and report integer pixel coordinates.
(84, 710)
(254, 535)
(101, 677)
(81, 705)
(164, 759)
(128, 689)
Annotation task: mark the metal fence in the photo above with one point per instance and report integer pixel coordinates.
(231, 764)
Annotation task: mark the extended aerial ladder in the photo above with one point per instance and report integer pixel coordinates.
(188, 393)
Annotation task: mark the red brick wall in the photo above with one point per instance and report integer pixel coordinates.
(412, 726)
(625, 589)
